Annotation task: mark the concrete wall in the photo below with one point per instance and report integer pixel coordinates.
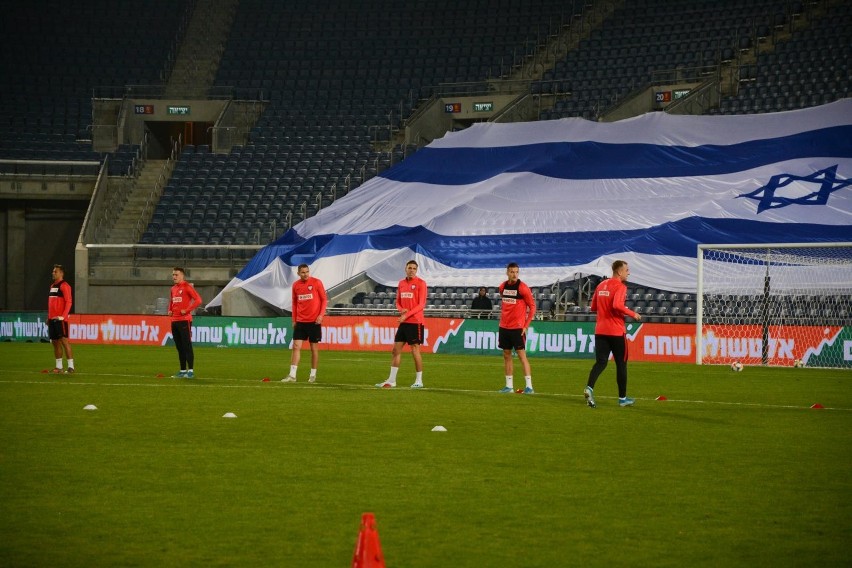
(434, 121)
(126, 288)
(644, 102)
(135, 298)
(238, 301)
(200, 111)
(35, 236)
(23, 187)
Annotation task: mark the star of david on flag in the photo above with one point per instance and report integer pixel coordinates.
(770, 196)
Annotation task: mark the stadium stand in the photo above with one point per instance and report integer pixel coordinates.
(339, 81)
(810, 69)
(335, 83)
(56, 53)
(796, 68)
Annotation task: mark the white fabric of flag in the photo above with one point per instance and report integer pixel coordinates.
(567, 197)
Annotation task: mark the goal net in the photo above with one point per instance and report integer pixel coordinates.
(775, 304)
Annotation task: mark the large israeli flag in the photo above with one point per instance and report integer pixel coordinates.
(567, 197)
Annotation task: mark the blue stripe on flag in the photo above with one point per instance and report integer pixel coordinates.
(679, 238)
(595, 160)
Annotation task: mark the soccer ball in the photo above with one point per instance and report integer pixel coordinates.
(736, 366)
(798, 363)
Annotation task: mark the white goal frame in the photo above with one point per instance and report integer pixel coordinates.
(766, 263)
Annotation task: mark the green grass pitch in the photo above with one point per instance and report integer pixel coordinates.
(734, 469)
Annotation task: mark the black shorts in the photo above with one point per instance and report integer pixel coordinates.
(310, 331)
(615, 344)
(511, 339)
(57, 329)
(410, 333)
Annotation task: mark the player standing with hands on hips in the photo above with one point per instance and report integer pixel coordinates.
(610, 332)
(309, 304)
(517, 310)
(184, 300)
(411, 293)
(58, 307)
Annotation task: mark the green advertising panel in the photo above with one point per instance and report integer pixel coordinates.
(573, 340)
(23, 326)
(149, 330)
(811, 346)
(240, 332)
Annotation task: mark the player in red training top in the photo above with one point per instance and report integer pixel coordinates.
(184, 300)
(411, 296)
(610, 332)
(309, 304)
(517, 310)
(58, 307)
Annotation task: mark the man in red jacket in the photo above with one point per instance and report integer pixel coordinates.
(610, 332)
(184, 299)
(517, 310)
(411, 294)
(58, 307)
(309, 305)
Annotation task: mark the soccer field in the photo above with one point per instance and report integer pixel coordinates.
(733, 469)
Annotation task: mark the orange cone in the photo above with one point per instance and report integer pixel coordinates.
(368, 550)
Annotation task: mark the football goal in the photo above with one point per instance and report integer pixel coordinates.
(775, 304)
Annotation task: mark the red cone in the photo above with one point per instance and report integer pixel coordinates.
(817, 406)
(661, 397)
(368, 550)
(265, 379)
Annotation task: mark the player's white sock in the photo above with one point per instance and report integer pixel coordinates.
(293, 370)
(392, 376)
(70, 363)
(418, 378)
(59, 363)
(510, 382)
(313, 372)
(528, 380)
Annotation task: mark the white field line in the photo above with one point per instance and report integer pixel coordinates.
(168, 382)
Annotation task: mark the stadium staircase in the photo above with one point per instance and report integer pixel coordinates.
(126, 228)
(202, 48)
(539, 62)
(132, 199)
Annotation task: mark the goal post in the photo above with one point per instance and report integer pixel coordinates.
(775, 304)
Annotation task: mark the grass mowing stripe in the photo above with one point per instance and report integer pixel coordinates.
(197, 383)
